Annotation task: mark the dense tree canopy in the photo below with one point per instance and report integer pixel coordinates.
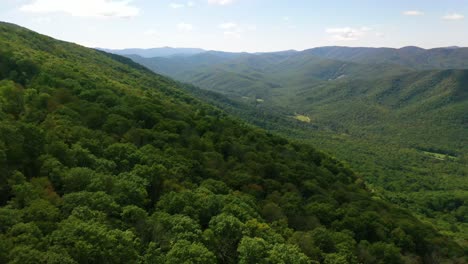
(106, 162)
(404, 130)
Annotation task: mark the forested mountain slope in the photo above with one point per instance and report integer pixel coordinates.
(261, 75)
(410, 57)
(405, 130)
(413, 57)
(102, 161)
(336, 94)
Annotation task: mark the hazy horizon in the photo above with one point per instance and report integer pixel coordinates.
(244, 26)
(297, 50)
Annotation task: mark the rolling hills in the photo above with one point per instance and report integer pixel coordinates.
(413, 57)
(402, 124)
(103, 161)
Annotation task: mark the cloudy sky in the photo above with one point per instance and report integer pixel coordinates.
(245, 25)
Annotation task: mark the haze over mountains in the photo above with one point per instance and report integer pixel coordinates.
(414, 57)
(156, 52)
(411, 56)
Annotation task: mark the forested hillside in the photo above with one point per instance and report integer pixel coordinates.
(262, 75)
(414, 57)
(105, 162)
(404, 130)
(102, 161)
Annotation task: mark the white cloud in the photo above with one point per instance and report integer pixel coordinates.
(151, 33)
(42, 20)
(233, 30)
(228, 25)
(413, 13)
(232, 34)
(179, 5)
(176, 5)
(185, 27)
(365, 29)
(453, 16)
(220, 2)
(251, 27)
(347, 33)
(83, 8)
(286, 18)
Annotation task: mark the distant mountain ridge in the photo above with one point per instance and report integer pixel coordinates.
(414, 57)
(410, 56)
(398, 116)
(156, 52)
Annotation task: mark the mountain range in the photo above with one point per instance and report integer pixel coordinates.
(104, 161)
(156, 52)
(398, 116)
(413, 57)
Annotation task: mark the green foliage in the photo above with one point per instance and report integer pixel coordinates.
(106, 162)
(397, 116)
(286, 254)
(92, 242)
(252, 250)
(187, 253)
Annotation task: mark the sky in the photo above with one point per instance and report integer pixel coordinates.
(245, 25)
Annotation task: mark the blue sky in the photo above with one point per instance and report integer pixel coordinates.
(245, 25)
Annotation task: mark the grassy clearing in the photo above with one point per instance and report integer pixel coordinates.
(302, 118)
(439, 156)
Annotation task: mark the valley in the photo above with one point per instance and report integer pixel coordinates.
(233, 132)
(403, 128)
(104, 161)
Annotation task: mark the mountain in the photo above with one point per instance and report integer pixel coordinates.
(404, 129)
(257, 74)
(409, 57)
(103, 161)
(156, 52)
(413, 57)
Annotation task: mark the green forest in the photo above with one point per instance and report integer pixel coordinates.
(103, 161)
(398, 117)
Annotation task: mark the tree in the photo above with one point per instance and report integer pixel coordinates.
(130, 190)
(227, 231)
(124, 155)
(184, 252)
(43, 213)
(27, 234)
(166, 229)
(386, 253)
(94, 242)
(305, 241)
(272, 212)
(335, 258)
(11, 98)
(134, 216)
(116, 124)
(77, 179)
(99, 201)
(9, 217)
(286, 254)
(253, 250)
(26, 255)
(33, 145)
